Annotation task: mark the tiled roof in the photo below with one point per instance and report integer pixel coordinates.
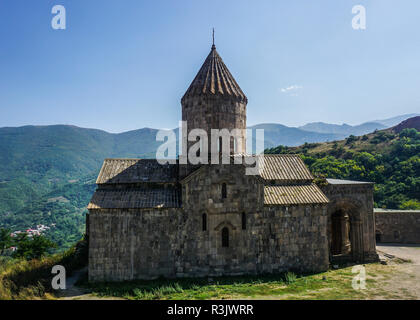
(135, 199)
(285, 167)
(136, 170)
(295, 194)
(214, 78)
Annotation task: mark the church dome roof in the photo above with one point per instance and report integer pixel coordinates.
(213, 79)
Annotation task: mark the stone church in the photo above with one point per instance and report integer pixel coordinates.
(148, 220)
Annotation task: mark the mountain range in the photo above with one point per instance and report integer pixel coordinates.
(44, 151)
(47, 173)
(361, 129)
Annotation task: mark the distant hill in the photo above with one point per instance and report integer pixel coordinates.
(275, 134)
(40, 163)
(396, 120)
(344, 130)
(69, 149)
(390, 158)
(51, 156)
(409, 123)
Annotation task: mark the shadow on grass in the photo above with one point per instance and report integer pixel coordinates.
(184, 288)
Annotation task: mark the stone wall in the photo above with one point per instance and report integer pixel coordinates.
(145, 244)
(397, 226)
(202, 190)
(215, 112)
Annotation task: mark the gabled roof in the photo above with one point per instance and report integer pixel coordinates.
(136, 199)
(295, 194)
(285, 168)
(116, 171)
(214, 78)
(192, 174)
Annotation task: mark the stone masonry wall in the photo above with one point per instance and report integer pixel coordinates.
(397, 226)
(208, 113)
(145, 244)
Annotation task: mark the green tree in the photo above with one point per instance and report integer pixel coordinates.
(412, 204)
(5, 240)
(32, 248)
(409, 133)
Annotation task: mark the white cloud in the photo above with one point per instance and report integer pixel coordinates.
(291, 90)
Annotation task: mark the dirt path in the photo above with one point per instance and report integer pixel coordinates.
(72, 292)
(405, 280)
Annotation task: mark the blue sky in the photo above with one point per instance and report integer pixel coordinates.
(123, 65)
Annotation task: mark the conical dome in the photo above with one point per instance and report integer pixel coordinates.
(214, 79)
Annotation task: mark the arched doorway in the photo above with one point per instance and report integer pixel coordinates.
(345, 232)
(340, 233)
(378, 236)
(225, 237)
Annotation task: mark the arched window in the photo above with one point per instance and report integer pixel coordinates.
(224, 191)
(225, 237)
(243, 221)
(204, 222)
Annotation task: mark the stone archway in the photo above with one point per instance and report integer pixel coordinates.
(340, 233)
(345, 234)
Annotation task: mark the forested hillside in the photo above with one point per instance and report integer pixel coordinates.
(47, 174)
(390, 158)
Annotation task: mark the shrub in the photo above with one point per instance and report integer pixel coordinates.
(290, 277)
(351, 139)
